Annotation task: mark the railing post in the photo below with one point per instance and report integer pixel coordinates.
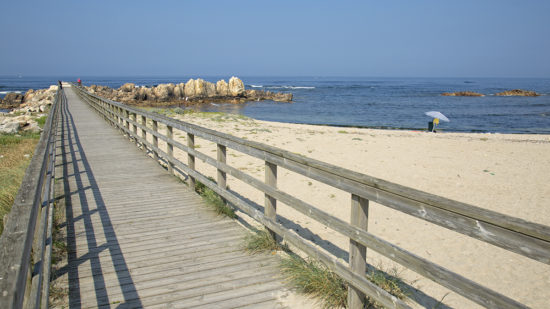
(155, 140)
(358, 252)
(127, 123)
(191, 158)
(144, 133)
(222, 157)
(134, 129)
(120, 118)
(170, 149)
(270, 207)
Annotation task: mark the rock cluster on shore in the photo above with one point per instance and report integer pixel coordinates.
(25, 110)
(194, 91)
(31, 101)
(515, 92)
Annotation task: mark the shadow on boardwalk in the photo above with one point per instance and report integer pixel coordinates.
(77, 167)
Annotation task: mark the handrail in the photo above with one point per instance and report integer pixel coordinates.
(25, 244)
(513, 234)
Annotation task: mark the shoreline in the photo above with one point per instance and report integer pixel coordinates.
(384, 128)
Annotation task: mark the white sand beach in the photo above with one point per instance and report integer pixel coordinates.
(501, 172)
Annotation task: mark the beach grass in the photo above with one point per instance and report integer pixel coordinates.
(15, 155)
(262, 241)
(316, 280)
(213, 200)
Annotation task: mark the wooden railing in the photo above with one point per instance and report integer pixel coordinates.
(525, 238)
(26, 242)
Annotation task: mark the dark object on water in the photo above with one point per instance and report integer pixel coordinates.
(518, 92)
(462, 94)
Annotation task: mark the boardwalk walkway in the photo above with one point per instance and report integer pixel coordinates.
(138, 237)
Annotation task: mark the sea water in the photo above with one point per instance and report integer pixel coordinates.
(367, 101)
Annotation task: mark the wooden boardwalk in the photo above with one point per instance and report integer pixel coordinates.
(138, 237)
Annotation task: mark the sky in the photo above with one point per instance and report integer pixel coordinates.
(439, 38)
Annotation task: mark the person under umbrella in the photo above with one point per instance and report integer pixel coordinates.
(436, 117)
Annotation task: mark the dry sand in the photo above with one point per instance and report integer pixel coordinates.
(506, 173)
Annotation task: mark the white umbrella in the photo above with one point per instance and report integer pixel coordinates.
(437, 115)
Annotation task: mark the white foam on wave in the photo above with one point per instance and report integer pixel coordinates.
(291, 87)
(256, 86)
(6, 92)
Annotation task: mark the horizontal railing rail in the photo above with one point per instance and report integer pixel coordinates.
(26, 242)
(513, 234)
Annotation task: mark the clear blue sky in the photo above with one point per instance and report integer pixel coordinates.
(439, 38)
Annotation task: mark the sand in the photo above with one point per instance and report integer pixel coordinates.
(505, 173)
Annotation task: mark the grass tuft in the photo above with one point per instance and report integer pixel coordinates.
(15, 155)
(41, 121)
(388, 280)
(262, 241)
(213, 199)
(316, 280)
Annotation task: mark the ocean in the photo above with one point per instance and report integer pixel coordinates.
(391, 103)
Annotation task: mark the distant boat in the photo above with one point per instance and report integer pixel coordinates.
(469, 82)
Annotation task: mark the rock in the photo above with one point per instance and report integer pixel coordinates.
(29, 95)
(9, 127)
(163, 92)
(210, 90)
(12, 100)
(128, 87)
(518, 92)
(190, 88)
(462, 94)
(282, 97)
(222, 88)
(236, 86)
(143, 93)
(179, 91)
(200, 87)
(53, 89)
(31, 126)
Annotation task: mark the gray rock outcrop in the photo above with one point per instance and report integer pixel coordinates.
(194, 91)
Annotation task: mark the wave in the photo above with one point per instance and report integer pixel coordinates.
(290, 87)
(6, 92)
(256, 86)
